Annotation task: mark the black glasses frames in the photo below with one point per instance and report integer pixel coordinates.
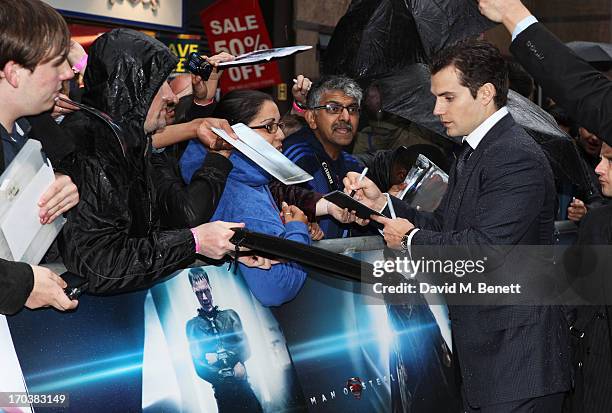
(271, 128)
(336, 108)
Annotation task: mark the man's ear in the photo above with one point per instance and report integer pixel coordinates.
(309, 115)
(10, 73)
(486, 93)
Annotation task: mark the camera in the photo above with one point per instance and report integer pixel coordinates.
(199, 66)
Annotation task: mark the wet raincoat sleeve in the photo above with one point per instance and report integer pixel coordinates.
(188, 205)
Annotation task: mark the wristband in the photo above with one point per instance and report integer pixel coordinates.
(80, 64)
(297, 107)
(196, 240)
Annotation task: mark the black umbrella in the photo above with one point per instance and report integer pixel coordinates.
(407, 94)
(378, 36)
(592, 52)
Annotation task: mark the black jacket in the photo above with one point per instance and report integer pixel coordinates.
(112, 236)
(575, 85)
(16, 283)
(187, 206)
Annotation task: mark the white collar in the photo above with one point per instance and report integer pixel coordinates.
(474, 138)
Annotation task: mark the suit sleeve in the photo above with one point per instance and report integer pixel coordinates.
(188, 205)
(421, 219)
(16, 283)
(573, 83)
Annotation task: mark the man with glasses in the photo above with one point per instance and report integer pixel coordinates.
(332, 115)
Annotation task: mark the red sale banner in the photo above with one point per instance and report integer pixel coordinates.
(237, 27)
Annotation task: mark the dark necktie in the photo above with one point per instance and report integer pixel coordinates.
(462, 158)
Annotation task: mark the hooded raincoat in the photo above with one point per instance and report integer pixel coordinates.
(112, 236)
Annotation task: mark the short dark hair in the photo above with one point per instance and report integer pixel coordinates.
(478, 62)
(241, 106)
(197, 275)
(31, 32)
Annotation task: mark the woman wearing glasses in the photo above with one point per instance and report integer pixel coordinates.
(248, 199)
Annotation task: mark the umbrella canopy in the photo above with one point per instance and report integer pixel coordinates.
(378, 36)
(592, 52)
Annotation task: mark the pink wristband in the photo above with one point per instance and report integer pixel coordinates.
(297, 108)
(196, 240)
(80, 64)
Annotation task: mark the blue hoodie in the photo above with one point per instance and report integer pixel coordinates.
(247, 199)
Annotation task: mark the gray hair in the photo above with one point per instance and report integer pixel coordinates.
(342, 83)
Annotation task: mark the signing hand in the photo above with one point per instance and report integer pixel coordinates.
(367, 191)
(394, 230)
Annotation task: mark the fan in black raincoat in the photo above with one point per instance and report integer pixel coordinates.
(112, 237)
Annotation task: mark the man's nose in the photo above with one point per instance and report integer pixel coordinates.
(438, 110)
(344, 114)
(66, 72)
(601, 166)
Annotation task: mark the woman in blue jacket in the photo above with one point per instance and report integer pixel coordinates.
(247, 198)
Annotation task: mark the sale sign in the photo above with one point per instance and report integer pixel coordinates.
(238, 27)
(182, 48)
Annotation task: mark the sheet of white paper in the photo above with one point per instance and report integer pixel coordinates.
(21, 223)
(265, 155)
(264, 55)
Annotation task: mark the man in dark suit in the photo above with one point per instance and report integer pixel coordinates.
(587, 96)
(500, 193)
